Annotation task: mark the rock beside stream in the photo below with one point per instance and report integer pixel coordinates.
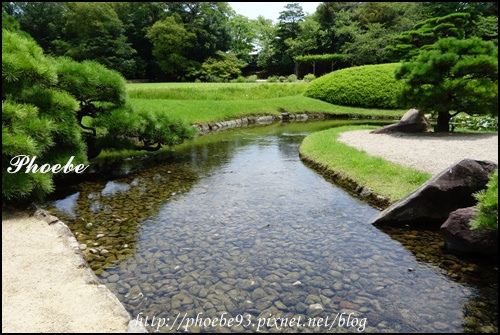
(430, 205)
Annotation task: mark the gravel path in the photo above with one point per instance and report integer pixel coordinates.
(44, 287)
(428, 152)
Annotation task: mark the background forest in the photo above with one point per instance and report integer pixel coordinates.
(209, 42)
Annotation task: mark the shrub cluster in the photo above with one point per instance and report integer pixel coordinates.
(247, 79)
(368, 86)
(487, 206)
(476, 122)
(309, 77)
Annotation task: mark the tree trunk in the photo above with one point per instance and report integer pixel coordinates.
(443, 123)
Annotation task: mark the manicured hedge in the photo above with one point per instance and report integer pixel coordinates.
(368, 86)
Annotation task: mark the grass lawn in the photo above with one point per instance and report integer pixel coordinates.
(198, 103)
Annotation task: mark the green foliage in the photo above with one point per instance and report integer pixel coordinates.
(369, 86)
(287, 28)
(44, 103)
(273, 79)
(486, 28)
(451, 77)
(487, 206)
(465, 122)
(9, 23)
(327, 57)
(141, 129)
(37, 118)
(247, 79)
(425, 34)
(43, 21)
(291, 78)
(89, 81)
(309, 77)
(307, 40)
(95, 32)
(266, 32)
(368, 47)
(23, 64)
(221, 69)
(172, 44)
(243, 38)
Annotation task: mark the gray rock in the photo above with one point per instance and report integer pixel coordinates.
(413, 121)
(459, 238)
(430, 205)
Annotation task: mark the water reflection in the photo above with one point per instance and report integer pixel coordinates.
(234, 223)
(68, 205)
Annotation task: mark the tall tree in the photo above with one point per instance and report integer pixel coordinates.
(287, 28)
(450, 77)
(44, 21)
(172, 47)
(265, 30)
(209, 22)
(375, 27)
(426, 33)
(137, 19)
(333, 18)
(243, 37)
(94, 31)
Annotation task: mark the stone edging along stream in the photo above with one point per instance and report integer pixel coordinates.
(284, 116)
(90, 277)
(348, 184)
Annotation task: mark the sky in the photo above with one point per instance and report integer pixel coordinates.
(270, 10)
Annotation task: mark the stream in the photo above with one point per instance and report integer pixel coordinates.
(232, 232)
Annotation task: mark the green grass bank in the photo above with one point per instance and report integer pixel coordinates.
(373, 179)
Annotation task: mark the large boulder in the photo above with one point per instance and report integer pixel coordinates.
(412, 122)
(460, 239)
(430, 205)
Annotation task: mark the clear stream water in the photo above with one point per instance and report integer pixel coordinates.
(233, 233)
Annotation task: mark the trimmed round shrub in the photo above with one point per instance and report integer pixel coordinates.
(368, 86)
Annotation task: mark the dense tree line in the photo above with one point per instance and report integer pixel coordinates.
(186, 41)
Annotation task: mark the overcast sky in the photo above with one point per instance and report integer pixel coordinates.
(270, 10)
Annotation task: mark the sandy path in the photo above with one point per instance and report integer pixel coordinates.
(428, 152)
(44, 286)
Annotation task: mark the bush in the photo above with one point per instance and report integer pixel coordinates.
(291, 78)
(251, 79)
(476, 122)
(247, 79)
(487, 206)
(309, 77)
(368, 86)
(240, 79)
(272, 79)
(282, 79)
